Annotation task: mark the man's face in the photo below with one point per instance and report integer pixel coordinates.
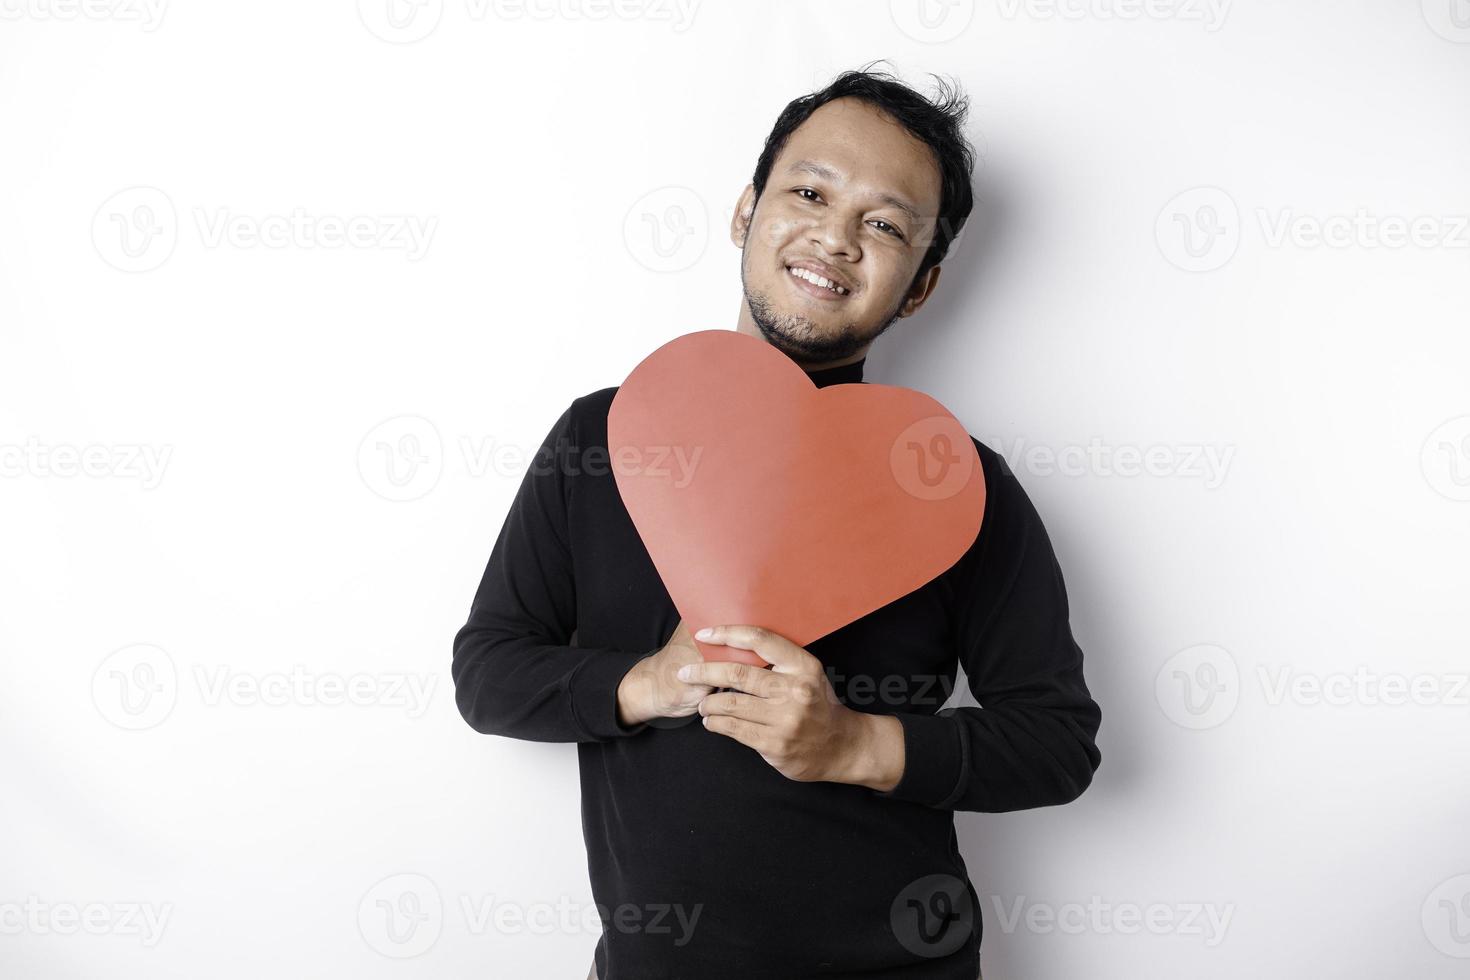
(853, 198)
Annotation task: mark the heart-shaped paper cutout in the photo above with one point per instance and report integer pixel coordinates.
(763, 499)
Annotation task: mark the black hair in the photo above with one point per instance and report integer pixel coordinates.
(939, 123)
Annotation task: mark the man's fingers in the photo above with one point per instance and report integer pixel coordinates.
(784, 656)
(745, 732)
(689, 695)
(741, 677)
(733, 704)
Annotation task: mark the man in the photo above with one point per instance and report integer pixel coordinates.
(796, 821)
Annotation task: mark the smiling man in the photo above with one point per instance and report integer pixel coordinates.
(849, 238)
(804, 826)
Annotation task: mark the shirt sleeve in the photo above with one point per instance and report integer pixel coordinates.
(515, 670)
(1031, 742)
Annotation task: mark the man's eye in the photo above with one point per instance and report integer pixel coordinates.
(889, 228)
(808, 190)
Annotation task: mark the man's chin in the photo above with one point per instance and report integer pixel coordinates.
(803, 346)
(799, 338)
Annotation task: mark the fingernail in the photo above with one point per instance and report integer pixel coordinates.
(684, 672)
(704, 634)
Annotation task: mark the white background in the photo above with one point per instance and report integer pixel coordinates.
(238, 472)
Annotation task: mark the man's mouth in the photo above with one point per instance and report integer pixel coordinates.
(817, 280)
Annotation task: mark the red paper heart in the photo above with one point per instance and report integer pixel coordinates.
(765, 500)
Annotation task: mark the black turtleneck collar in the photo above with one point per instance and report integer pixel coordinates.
(846, 374)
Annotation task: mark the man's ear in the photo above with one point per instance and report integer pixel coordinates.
(920, 292)
(744, 211)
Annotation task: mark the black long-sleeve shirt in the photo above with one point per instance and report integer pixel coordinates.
(705, 862)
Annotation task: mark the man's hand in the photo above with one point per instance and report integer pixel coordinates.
(791, 715)
(651, 690)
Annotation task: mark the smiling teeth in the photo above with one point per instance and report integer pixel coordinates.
(820, 281)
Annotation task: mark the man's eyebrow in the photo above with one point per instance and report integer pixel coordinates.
(827, 173)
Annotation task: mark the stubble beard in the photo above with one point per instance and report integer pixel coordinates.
(799, 338)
